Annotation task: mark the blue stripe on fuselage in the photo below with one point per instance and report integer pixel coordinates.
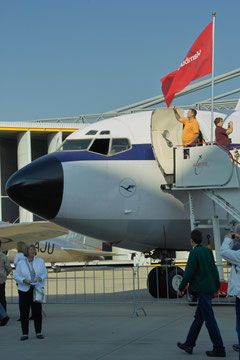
(137, 152)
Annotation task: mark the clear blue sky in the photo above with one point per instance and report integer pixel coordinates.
(69, 57)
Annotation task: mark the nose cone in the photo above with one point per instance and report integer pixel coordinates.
(38, 187)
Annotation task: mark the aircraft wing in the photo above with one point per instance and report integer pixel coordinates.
(90, 253)
(11, 234)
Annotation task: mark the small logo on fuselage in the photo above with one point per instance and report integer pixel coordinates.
(127, 187)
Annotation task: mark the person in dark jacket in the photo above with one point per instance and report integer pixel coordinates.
(202, 276)
(5, 270)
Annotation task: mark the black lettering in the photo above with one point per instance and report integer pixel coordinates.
(50, 251)
(45, 249)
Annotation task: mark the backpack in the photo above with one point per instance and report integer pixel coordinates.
(200, 138)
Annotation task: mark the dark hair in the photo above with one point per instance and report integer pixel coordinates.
(194, 112)
(217, 120)
(196, 236)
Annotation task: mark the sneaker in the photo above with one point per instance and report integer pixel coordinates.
(39, 336)
(216, 353)
(184, 347)
(236, 347)
(4, 321)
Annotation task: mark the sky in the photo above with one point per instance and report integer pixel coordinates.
(63, 58)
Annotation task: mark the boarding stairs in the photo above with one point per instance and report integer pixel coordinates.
(212, 170)
(207, 168)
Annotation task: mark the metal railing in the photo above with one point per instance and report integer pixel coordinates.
(117, 285)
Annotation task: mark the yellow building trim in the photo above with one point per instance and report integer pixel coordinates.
(38, 129)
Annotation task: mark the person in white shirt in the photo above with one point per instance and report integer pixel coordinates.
(30, 270)
(230, 251)
(20, 256)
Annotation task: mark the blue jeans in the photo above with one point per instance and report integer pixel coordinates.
(3, 313)
(238, 318)
(204, 312)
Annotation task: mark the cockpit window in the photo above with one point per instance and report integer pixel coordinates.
(91, 132)
(100, 146)
(119, 145)
(75, 144)
(105, 132)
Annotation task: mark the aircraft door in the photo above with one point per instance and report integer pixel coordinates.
(166, 133)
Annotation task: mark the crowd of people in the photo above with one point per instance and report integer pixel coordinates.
(201, 275)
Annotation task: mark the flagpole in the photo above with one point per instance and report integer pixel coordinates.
(213, 43)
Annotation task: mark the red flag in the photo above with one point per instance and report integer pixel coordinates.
(196, 64)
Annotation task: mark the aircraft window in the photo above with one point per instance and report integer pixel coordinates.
(105, 132)
(91, 132)
(100, 146)
(119, 145)
(77, 144)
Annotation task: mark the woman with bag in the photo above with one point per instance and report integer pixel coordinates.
(30, 274)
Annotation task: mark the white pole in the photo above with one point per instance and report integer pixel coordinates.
(217, 245)
(213, 43)
(192, 216)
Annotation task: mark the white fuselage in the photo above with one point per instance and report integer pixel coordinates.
(96, 204)
(105, 182)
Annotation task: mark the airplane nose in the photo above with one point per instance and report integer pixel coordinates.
(38, 187)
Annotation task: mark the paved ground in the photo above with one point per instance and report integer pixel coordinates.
(107, 332)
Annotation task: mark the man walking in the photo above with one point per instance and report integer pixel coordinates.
(202, 275)
(5, 269)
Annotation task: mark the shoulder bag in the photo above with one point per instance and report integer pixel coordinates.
(39, 294)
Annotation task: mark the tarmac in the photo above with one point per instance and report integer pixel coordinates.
(108, 332)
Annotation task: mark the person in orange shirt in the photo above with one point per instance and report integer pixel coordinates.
(191, 127)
